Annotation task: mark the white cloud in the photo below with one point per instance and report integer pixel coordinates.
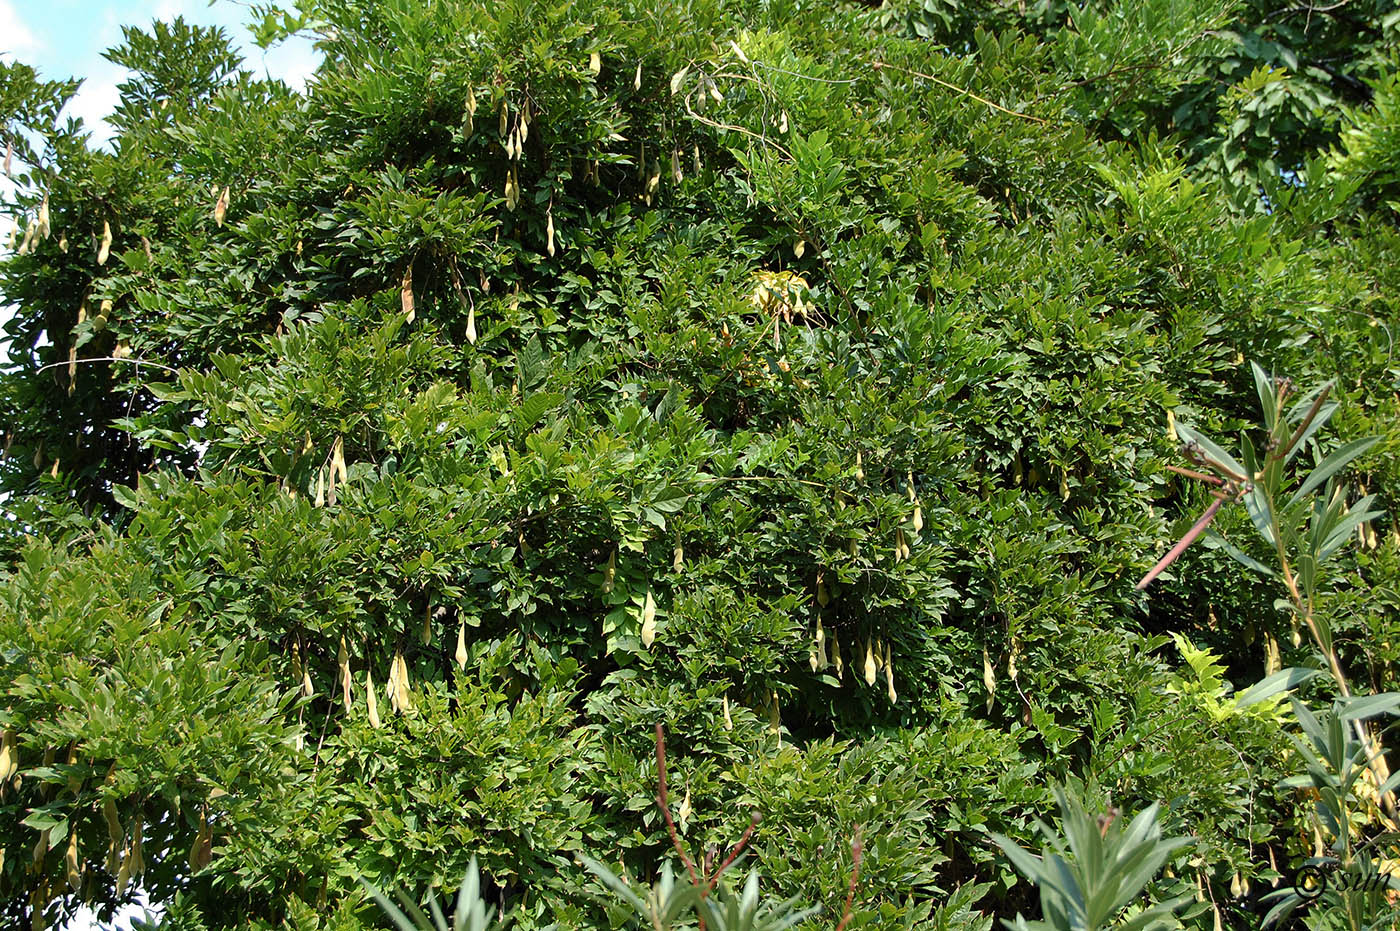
(97, 98)
(19, 41)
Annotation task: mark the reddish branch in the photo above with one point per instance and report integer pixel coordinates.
(704, 880)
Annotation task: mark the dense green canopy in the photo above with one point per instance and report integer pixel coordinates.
(797, 374)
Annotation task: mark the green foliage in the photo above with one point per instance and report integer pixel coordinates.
(450, 375)
(1094, 867)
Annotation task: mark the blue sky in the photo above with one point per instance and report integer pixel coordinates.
(66, 38)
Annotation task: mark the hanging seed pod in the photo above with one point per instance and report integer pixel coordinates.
(677, 175)
(820, 638)
(610, 573)
(471, 325)
(372, 702)
(595, 62)
(406, 294)
(989, 676)
(869, 663)
(28, 239)
(9, 756)
(909, 486)
(296, 663)
(549, 231)
(918, 519)
(342, 659)
(775, 718)
(123, 875)
(461, 654)
(728, 721)
(391, 684)
(648, 620)
(221, 208)
(138, 856)
(71, 871)
(105, 248)
(860, 469)
(41, 848)
(889, 681)
(677, 79)
(338, 460)
(114, 834)
(1273, 662)
(823, 596)
(43, 232)
(402, 691)
(1235, 890)
(427, 635)
(505, 119)
(9, 156)
(306, 688)
(678, 555)
(637, 81)
(1011, 659)
(201, 850)
(783, 123)
(695, 158)
(63, 243)
(469, 116)
(320, 498)
(836, 657)
(685, 809)
(812, 659)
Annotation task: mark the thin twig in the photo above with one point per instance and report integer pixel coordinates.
(1190, 473)
(857, 848)
(733, 855)
(877, 65)
(54, 365)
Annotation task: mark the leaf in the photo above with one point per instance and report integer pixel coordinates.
(1281, 681)
(1331, 465)
(1221, 459)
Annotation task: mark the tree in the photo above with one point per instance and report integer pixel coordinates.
(385, 462)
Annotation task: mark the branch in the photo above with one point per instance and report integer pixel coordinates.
(857, 848)
(1196, 530)
(661, 800)
(877, 65)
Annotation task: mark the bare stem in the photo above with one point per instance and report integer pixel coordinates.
(857, 848)
(661, 801)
